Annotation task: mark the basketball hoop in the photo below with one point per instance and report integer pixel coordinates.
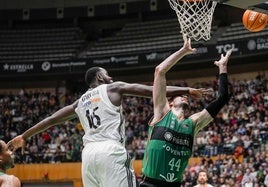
(195, 17)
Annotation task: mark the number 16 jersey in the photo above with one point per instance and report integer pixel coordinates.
(100, 119)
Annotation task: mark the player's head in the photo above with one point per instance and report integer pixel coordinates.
(180, 102)
(6, 156)
(96, 76)
(202, 177)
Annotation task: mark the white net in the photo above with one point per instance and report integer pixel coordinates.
(195, 17)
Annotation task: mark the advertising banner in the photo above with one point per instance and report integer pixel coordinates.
(250, 46)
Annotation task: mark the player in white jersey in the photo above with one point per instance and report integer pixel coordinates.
(105, 161)
(104, 128)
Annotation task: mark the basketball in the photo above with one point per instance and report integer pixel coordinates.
(254, 21)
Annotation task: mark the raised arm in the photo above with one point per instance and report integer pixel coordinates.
(62, 115)
(161, 104)
(118, 89)
(194, 93)
(204, 117)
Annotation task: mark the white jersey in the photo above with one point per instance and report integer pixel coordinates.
(6, 180)
(100, 119)
(207, 185)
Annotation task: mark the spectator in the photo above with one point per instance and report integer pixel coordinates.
(202, 179)
(30, 106)
(247, 180)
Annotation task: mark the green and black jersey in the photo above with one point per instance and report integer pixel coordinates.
(169, 148)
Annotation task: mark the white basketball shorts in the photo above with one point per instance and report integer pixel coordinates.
(107, 164)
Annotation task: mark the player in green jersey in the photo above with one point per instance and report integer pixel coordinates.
(171, 132)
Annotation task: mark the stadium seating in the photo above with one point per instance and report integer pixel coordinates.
(40, 43)
(247, 107)
(138, 37)
(237, 31)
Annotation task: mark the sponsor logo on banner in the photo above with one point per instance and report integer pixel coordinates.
(157, 56)
(258, 44)
(125, 59)
(20, 68)
(262, 43)
(225, 47)
(251, 45)
(201, 50)
(46, 66)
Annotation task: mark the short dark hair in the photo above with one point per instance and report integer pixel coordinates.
(202, 171)
(91, 75)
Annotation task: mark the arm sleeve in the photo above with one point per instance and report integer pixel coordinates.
(215, 106)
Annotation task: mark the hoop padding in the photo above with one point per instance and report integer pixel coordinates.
(195, 17)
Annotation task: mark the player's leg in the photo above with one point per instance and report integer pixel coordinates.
(117, 170)
(146, 184)
(89, 174)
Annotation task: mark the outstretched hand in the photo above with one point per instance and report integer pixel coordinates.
(187, 45)
(16, 143)
(224, 59)
(199, 93)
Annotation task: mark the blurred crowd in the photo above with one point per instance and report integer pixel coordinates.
(237, 138)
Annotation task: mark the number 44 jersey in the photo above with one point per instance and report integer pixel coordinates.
(168, 149)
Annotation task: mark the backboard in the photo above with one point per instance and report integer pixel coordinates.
(256, 5)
